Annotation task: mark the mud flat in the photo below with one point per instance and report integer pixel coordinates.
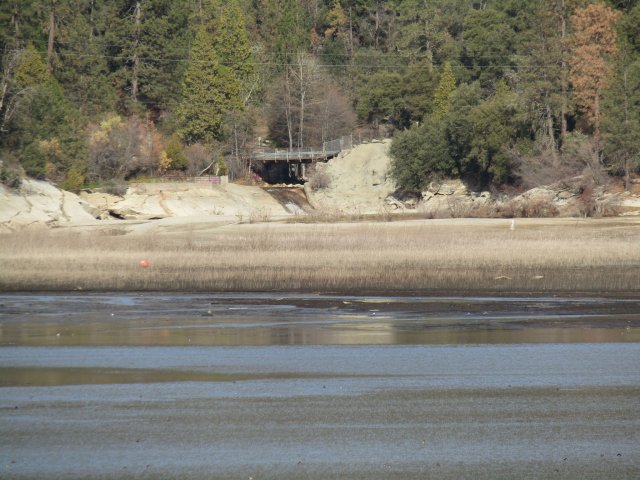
(203, 386)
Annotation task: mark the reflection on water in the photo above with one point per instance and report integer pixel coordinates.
(297, 319)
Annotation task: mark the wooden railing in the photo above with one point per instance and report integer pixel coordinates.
(329, 149)
(208, 179)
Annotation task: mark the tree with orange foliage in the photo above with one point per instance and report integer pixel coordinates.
(593, 43)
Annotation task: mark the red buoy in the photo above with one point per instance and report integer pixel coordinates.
(143, 263)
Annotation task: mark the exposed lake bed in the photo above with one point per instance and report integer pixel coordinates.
(277, 385)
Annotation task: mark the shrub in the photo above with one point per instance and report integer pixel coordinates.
(221, 166)
(175, 153)
(34, 162)
(10, 175)
(114, 187)
(319, 180)
(586, 202)
(536, 208)
(119, 148)
(420, 155)
(198, 158)
(74, 181)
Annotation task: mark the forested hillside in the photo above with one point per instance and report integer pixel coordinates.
(497, 92)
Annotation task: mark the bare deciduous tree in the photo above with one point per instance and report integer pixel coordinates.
(307, 107)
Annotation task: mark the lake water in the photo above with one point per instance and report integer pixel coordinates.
(317, 386)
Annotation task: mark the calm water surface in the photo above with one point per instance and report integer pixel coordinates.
(316, 386)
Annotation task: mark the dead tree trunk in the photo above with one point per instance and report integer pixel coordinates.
(136, 58)
(52, 36)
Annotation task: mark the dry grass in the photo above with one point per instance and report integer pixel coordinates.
(552, 256)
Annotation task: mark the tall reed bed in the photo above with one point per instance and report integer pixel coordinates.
(558, 256)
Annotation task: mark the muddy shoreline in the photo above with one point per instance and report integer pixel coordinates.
(247, 318)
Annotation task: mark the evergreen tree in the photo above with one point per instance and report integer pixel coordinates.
(421, 155)
(488, 45)
(231, 43)
(175, 154)
(419, 88)
(446, 87)
(621, 123)
(497, 124)
(381, 99)
(147, 41)
(21, 23)
(82, 66)
(31, 70)
(543, 77)
(209, 90)
(26, 74)
(594, 43)
(46, 133)
(284, 29)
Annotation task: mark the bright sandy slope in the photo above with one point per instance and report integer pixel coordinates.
(358, 180)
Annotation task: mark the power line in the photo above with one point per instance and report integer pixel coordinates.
(281, 64)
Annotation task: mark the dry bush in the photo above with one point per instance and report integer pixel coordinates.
(586, 202)
(505, 210)
(584, 152)
(121, 148)
(607, 208)
(459, 207)
(535, 208)
(238, 167)
(335, 215)
(114, 187)
(199, 157)
(11, 173)
(260, 215)
(319, 180)
(542, 168)
(579, 158)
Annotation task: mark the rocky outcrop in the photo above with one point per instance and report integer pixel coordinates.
(37, 202)
(145, 201)
(42, 203)
(452, 198)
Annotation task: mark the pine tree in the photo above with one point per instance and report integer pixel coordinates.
(147, 41)
(594, 43)
(283, 27)
(45, 132)
(446, 87)
(26, 73)
(231, 41)
(488, 45)
(621, 123)
(82, 66)
(31, 71)
(209, 91)
(21, 23)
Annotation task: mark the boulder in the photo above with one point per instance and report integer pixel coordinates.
(447, 187)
